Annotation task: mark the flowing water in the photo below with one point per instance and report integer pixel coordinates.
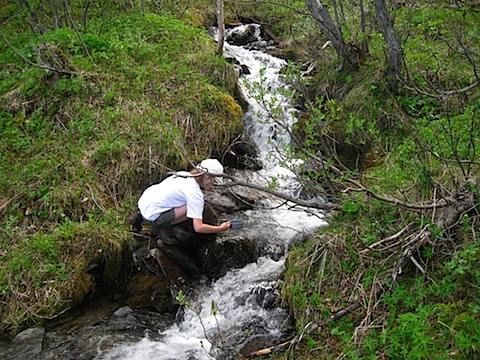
(237, 306)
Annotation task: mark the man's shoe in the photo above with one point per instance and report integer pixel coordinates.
(136, 221)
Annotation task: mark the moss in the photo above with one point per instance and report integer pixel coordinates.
(82, 287)
(227, 105)
(150, 292)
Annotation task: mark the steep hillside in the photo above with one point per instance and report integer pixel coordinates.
(87, 122)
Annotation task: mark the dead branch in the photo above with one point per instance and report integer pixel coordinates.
(444, 95)
(301, 202)
(40, 66)
(417, 265)
(387, 239)
(358, 187)
(462, 202)
(407, 254)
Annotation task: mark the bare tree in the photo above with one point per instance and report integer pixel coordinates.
(221, 27)
(351, 54)
(33, 20)
(395, 53)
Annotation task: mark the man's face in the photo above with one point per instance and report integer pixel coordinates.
(208, 183)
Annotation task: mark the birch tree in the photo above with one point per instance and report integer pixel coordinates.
(353, 54)
(221, 27)
(350, 54)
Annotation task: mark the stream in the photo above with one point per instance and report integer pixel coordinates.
(225, 313)
(238, 308)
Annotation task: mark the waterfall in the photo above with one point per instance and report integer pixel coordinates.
(227, 311)
(270, 112)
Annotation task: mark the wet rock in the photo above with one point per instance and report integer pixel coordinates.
(160, 273)
(27, 345)
(242, 38)
(229, 199)
(226, 254)
(150, 292)
(265, 296)
(224, 203)
(87, 336)
(242, 154)
(242, 298)
(124, 311)
(269, 300)
(252, 36)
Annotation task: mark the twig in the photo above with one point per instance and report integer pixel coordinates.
(443, 95)
(95, 200)
(65, 4)
(417, 265)
(139, 235)
(416, 237)
(392, 237)
(43, 67)
(271, 349)
(360, 188)
(156, 254)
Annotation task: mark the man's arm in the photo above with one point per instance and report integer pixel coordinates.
(202, 228)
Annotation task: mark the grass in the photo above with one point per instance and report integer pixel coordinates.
(415, 144)
(77, 149)
(43, 273)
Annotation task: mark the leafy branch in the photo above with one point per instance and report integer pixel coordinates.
(224, 345)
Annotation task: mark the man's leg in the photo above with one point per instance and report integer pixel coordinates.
(166, 219)
(180, 214)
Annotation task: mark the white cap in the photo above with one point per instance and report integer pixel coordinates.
(213, 167)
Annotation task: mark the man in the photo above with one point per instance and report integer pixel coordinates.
(179, 198)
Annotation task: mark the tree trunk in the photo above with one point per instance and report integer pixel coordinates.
(395, 53)
(349, 53)
(85, 11)
(221, 27)
(363, 26)
(34, 21)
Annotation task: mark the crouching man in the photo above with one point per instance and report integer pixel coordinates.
(179, 198)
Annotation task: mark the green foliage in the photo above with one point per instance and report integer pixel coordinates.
(349, 207)
(421, 148)
(77, 149)
(412, 332)
(423, 319)
(52, 265)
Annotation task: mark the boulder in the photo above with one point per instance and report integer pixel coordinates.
(27, 344)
